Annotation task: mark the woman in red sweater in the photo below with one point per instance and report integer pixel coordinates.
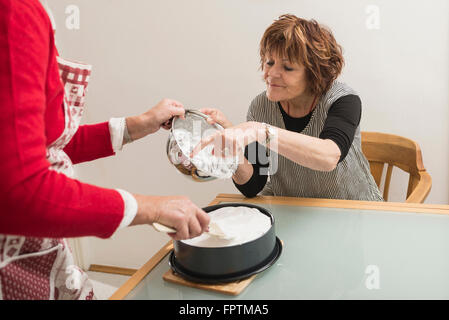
(41, 103)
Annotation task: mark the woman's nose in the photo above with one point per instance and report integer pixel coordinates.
(274, 72)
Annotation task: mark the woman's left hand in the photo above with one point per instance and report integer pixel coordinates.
(159, 116)
(231, 142)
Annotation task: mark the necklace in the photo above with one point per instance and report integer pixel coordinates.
(310, 109)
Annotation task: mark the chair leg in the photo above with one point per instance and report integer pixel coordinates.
(387, 182)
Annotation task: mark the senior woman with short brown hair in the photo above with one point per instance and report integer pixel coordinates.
(310, 122)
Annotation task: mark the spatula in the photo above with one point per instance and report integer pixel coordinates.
(214, 230)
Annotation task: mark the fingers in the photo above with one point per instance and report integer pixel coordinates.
(183, 215)
(226, 144)
(188, 229)
(176, 110)
(207, 111)
(182, 232)
(211, 120)
(203, 219)
(167, 124)
(200, 146)
(171, 102)
(176, 103)
(194, 227)
(211, 113)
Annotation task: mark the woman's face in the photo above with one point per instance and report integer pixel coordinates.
(284, 80)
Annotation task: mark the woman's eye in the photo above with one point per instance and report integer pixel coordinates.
(288, 68)
(270, 63)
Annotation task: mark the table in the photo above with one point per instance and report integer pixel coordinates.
(333, 249)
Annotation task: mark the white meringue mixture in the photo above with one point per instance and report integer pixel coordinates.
(240, 224)
(205, 161)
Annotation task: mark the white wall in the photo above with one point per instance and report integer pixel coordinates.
(204, 53)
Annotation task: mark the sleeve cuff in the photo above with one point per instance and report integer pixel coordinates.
(117, 130)
(130, 208)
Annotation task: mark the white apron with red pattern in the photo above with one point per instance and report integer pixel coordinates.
(44, 268)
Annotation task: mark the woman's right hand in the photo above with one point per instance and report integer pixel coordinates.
(216, 116)
(177, 212)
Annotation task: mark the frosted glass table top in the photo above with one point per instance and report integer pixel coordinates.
(339, 253)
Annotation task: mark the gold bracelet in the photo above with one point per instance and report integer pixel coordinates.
(269, 134)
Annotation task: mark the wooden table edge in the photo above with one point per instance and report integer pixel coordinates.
(135, 279)
(335, 203)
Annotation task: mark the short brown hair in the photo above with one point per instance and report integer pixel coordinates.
(306, 42)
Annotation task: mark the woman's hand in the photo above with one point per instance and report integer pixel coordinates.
(155, 118)
(177, 212)
(231, 141)
(216, 116)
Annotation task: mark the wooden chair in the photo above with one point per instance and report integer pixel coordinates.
(382, 148)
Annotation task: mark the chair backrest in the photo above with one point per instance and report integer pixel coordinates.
(387, 149)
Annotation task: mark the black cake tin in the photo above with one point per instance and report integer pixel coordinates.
(226, 264)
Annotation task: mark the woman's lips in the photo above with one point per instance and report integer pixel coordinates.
(275, 85)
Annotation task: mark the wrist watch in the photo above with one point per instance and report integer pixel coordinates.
(269, 133)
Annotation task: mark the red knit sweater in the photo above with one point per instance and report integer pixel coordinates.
(36, 201)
